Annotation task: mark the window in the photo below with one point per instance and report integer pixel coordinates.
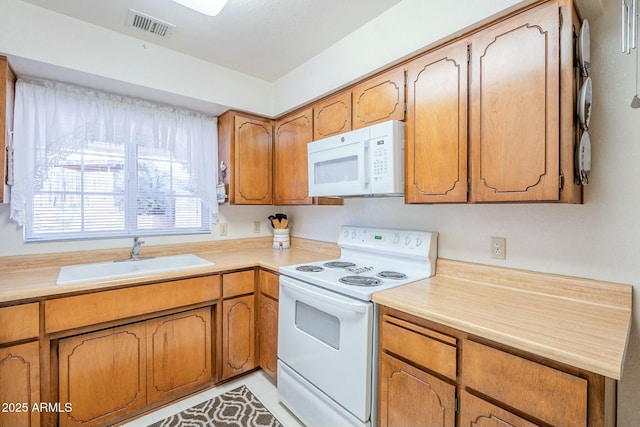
(96, 165)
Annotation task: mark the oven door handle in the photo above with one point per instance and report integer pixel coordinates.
(359, 308)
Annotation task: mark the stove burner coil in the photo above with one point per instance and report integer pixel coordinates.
(310, 268)
(360, 281)
(395, 275)
(338, 264)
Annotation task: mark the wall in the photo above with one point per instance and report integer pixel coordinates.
(410, 27)
(83, 53)
(599, 239)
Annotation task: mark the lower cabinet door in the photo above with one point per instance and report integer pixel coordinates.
(238, 336)
(475, 412)
(179, 353)
(20, 385)
(268, 321)
(102, 374)
(411, 397)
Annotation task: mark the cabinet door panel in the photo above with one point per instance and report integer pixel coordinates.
(7, 96)
(103, 374)
(379, 99)
(475, 412)
(515, 108)
(20, 384)
(292, 134)
(436, 131)
(179, 353)
(253, 161)
(268, 323)
(332, 116)
(410, 397)
(238, 347)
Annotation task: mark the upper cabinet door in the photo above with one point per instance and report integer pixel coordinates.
(332, 115)
(436, 127)
(7, 94)
(379, 99)
(292, 134)
(253, 161)
(515, 108)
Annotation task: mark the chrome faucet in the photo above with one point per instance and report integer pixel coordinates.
(135, 251)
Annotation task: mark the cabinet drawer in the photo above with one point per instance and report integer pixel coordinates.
(89, 309)
(548, 394)
(19, 322)
(240, 283)
(424, 347)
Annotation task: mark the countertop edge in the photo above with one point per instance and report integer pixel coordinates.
(612, 368)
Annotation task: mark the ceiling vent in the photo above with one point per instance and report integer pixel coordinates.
(149, 24)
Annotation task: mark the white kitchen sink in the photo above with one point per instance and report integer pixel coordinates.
(70, 274)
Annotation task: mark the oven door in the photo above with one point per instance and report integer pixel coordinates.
(326, 338)
(339, 168)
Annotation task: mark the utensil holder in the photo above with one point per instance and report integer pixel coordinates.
(281, 238)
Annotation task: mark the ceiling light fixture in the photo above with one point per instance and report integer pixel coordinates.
(206, 7)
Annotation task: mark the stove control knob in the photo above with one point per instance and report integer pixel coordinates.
(407, 240)
(418, 241)
(346, 234)
(396, 239)
(353, 234)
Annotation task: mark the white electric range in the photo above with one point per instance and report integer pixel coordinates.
(327, 324)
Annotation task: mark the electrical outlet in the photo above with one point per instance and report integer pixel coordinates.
(499, 248)
(223, 229)
(256, 227)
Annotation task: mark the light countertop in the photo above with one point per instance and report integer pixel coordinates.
(580, 322)
(33, 283)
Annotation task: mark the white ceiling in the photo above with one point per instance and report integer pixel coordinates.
(262, 38)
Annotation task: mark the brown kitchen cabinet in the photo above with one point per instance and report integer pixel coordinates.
(178, 353)
(245, 145)
(110, 373)
(436, 127)
(268, 322)
(547, 394)
(20, 384)
(411, 397)
(290, 175)
(494, 385)
(515, 111)
(332, 115)
(103, 374)
(238, 323)
(378, 99)
(477, 412)
(7, 94)
(502, 98)
(417, 375)
(19, 365)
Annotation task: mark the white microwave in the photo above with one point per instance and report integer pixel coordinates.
(365, 162)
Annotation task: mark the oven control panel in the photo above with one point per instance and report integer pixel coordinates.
(388, 240)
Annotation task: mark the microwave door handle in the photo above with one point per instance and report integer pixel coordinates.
(365, 162)
(360, 308)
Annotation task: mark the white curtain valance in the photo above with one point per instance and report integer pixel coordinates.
(54, 119)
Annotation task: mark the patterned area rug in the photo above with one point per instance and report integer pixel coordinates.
(235, 408)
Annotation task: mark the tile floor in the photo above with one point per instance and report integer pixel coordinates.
(257, 382)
